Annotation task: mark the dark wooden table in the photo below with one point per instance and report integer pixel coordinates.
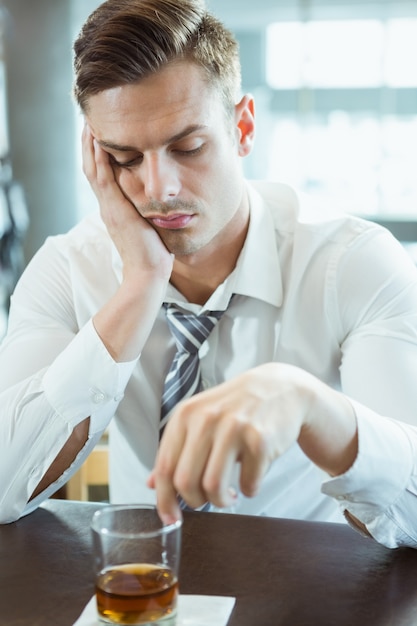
(282, 572)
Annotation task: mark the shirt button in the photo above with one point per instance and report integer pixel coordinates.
(97, 396)
(118, 397)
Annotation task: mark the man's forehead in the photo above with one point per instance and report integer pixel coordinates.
(176, 85)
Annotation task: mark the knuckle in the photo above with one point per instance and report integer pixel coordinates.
(164, 470)
(255, 440)
(183, 482)
(212, 485)
(191, 413)
(102, 182)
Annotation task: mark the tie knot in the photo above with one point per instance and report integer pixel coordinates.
(190, 331)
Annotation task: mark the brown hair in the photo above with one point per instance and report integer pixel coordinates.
(124, 41)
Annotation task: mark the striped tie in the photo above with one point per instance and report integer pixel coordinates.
(184, 377)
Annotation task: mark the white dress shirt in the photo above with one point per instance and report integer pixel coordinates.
(327, 292)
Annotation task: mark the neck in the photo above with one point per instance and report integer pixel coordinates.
(197, 276)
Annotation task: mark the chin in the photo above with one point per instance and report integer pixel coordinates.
(181, 245)
(184, 250)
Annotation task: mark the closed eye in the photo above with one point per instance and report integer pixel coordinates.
(137, 160)
(126, 164)
(190, 153)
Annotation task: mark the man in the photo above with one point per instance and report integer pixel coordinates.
(312, 317)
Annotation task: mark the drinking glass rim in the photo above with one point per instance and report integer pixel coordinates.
(163, 530)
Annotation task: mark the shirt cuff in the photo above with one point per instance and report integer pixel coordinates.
(382, 470)
(85, 381)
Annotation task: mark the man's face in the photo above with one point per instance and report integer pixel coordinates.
(176, 155)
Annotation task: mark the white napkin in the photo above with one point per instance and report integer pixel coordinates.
(192, 611)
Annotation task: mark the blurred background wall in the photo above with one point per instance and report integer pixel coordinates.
(335, 83)
(38, 38)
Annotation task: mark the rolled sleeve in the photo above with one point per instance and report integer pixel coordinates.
(380, 488)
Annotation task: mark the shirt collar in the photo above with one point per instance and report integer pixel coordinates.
(258, 272)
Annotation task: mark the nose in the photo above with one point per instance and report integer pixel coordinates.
(160, 178)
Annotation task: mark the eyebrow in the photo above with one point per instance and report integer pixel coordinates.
(189, 130)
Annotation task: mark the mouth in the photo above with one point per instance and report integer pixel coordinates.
(173, 221)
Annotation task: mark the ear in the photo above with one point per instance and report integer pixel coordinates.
(245, 120)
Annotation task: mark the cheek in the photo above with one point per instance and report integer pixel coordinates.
(213, 175)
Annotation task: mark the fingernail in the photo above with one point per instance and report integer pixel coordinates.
(169, 518)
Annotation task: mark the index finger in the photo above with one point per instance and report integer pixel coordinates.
(162, 476)
(166, 500)
(88, 158)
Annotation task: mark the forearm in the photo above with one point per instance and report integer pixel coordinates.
(329, 434)
(125, 321)
(65, 457)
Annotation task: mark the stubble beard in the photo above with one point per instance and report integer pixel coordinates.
(179, 242)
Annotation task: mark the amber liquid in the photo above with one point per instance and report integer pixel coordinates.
(138, 593)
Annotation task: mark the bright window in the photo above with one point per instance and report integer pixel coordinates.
(350, 134)
(325, 54)
(344, 53)
(400, 69)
